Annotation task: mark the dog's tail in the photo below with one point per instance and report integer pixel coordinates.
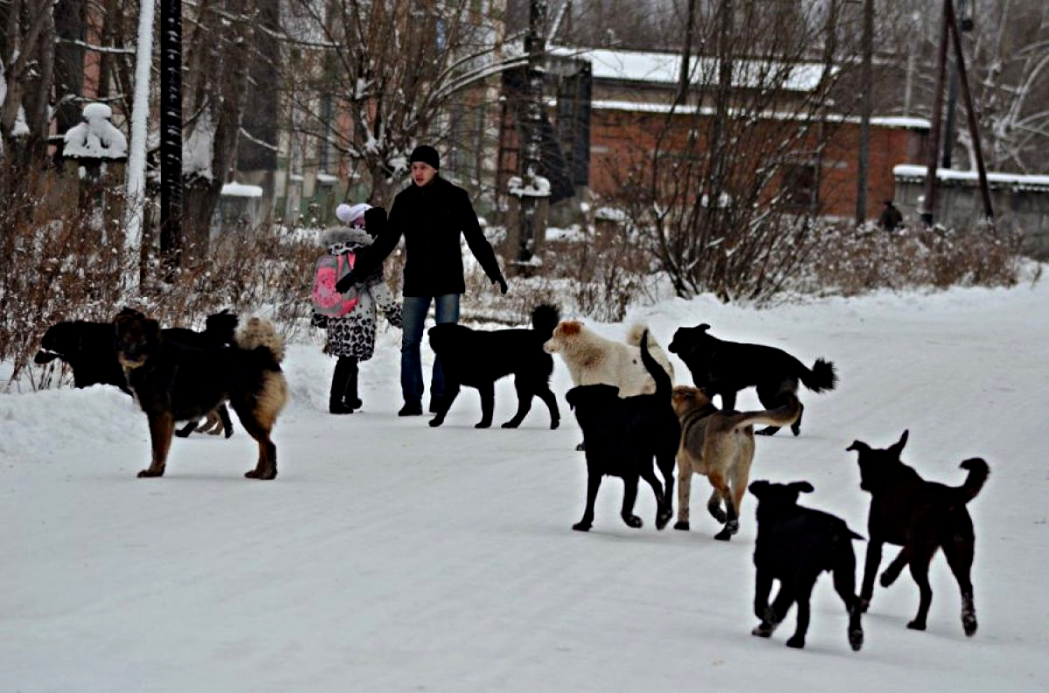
(664, 385)
(259, 333)
(783, 415)
(545, 319)
(978, 473)
(821, 378)
(633, 338)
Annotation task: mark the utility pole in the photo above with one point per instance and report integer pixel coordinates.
(170, 135)
(532, 132)
(867, 77)
(932, 159)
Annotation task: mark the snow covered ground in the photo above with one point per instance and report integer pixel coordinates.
(388, 556)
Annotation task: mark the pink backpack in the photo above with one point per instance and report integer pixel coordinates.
(329, 270)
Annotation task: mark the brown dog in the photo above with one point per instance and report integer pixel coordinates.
(721, 446)
(172, 382)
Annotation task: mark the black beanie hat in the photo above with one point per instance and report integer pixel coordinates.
(426, 154)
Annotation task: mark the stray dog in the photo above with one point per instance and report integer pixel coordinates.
(721, 446)
(172, 382)
(922, 516)
(724, 368)
(593, 360)
(87, 347)
(622, 435)
(794, 545)
(477, 359)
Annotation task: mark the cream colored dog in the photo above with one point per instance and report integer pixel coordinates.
(719, 445)
(594, 360)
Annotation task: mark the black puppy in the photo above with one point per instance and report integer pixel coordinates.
(794, 545)
(922, 516)
(477, 359)
(724, 368)
(87, 347)
(622, 435)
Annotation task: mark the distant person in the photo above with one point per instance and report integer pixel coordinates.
(891, 218)
(432, 215)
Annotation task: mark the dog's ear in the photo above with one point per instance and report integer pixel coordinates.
(571, 397)
(703, 327)
(859, 446)
(897, 447)
(802, 487)
(758, 487)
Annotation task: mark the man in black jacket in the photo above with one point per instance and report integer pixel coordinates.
(432, 215)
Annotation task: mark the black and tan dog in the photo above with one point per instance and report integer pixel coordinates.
(724, 368)
(172, 382)
(87, 348)
(921, 516)
(719, 445)
(794, 545)
(622, 435)
(478, 358)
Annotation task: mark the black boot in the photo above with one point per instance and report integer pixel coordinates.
(350, 397)
(339, 379)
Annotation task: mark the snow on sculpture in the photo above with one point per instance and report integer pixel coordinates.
(96, 137)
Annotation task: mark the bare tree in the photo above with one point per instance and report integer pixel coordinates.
(373, 79)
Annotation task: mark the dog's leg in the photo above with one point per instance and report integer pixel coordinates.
(550, 400)
(266, 467)
(795, 427)
(728, 401)
(959, 552)
(187, 429)
(845, 586)
(762, 588)
(773, 615)
(769, 400)
(629, 496)
(920, 561)
(227, 424)
(487, 392)
(731, 520)
(714, 507)
(212, 425)
(451, 391)
(593, 483)
(161, 426)
(524, 403)
(870, 569)
(663, 512)
(665, 461)
(893, 570)
(804, 595)
(684, 492)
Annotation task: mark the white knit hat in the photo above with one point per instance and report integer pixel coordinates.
(348, 214)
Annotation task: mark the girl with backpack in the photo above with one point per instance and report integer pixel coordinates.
(351, 325)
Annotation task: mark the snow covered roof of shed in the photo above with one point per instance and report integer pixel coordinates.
(1000, 180)
(665, 68)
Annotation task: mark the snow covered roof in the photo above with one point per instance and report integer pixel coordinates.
(241, 190)
(1001, 180)
(665, 68)
(96, 137)
(648, 107)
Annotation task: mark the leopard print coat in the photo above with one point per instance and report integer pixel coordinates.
(353, 334)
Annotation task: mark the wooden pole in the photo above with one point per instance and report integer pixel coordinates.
(974, 130)
(867, 78)
(933, 158)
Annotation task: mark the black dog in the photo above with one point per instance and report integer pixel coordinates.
(724, 368)
(922, 516)
(173, 382)
(794, 545)
(621, 436)
(87, 347)
(477, 359)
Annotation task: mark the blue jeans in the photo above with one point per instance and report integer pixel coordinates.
(446, 309)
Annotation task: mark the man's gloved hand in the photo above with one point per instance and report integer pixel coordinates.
(347, 282)
(501, 282)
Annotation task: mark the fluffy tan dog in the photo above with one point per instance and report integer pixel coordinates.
(721, 446)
